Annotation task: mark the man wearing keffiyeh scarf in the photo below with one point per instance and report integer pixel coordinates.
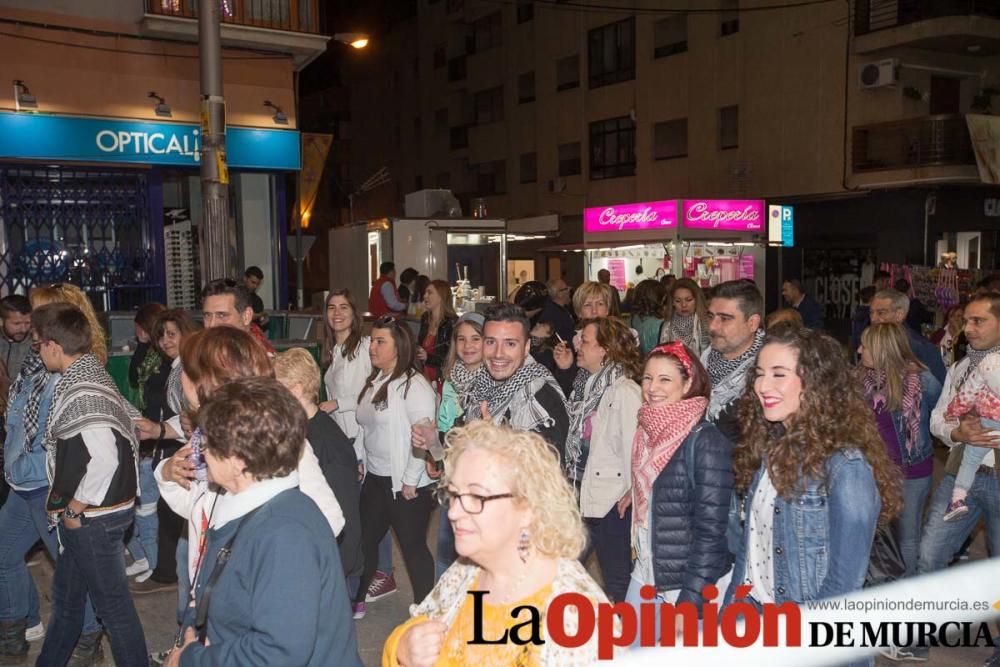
(736, 335)
(515, 389)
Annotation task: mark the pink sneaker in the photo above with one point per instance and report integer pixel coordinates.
(956, 510)
(382, 585)
(359, 610)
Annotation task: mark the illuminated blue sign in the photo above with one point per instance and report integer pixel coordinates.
(59, 138)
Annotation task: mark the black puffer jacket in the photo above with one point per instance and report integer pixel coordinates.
(688, 528)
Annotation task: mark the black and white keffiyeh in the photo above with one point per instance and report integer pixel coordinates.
(175, 392)
(975, 358)
(688, 329)
(588, 389)
(32, 378)
(516, 394)
(462, 379)
(86, 397)
(719, 368)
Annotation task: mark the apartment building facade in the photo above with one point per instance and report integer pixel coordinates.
(542, 109)
(99, 154)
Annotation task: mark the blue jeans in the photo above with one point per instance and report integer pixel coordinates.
(941, 540)
(23, 521)
(92, 562)
(611, 537)
(385, 554)
(143, 542)
(911, 521)
(183, 578)
(445, 546)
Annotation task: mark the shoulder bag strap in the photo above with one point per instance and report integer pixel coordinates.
(201, 612)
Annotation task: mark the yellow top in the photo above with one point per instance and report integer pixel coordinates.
(496, 620)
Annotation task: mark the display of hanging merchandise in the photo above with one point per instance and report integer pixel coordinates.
(937, 288)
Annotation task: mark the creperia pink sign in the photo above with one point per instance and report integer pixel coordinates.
(738, 215)
(630, 217)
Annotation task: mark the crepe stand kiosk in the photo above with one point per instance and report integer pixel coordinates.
(632, 241)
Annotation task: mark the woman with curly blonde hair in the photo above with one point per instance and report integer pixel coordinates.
(518, 534)
(593, 299)
(815, 472)
(73, 295)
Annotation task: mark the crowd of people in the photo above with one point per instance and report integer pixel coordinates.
(684, 443)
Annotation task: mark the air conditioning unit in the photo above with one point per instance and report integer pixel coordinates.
(555, 185)
(879, 74)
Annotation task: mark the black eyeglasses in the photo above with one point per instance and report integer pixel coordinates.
(472, 503)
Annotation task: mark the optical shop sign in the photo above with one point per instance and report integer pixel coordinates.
(38, 137)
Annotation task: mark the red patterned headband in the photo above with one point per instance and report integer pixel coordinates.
(675, 349)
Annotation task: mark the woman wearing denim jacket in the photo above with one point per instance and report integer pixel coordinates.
(901, 393)
(816, 474)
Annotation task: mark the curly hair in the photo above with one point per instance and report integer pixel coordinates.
(258, 421)
(832, 416)
(73, 295)
(618, 342)
(531, 467)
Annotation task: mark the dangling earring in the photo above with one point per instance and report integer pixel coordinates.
(523, 545)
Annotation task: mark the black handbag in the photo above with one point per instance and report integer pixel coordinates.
(886, 562)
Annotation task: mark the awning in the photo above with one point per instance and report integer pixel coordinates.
(603, 245)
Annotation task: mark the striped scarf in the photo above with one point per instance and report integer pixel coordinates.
(662, 430)
(912, 398)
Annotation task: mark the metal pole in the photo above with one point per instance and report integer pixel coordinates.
(299, 261)
(217, 232)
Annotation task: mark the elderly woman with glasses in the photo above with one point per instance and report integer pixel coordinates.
(518, 533)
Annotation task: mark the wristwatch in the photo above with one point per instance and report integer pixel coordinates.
(70, 514)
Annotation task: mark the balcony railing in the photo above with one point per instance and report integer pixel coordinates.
(292, 15)
(907, 144)
(872, 15)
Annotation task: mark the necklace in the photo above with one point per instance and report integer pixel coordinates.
(510, 592)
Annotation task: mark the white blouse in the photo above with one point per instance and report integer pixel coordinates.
(344, 380)
(760, 546)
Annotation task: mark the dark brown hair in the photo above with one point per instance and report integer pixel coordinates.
(701, 385)
(258, 421)
(146, 316)
(212, 357)
(65, 325)
(406, 359)
(648, 298)
(619, 344)
(832, 416)
(350, 349)
(184, 323)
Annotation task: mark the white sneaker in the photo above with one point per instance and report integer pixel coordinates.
(143, 576)
(138, 567)
(35, 632)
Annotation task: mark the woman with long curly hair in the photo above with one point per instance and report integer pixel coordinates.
(603, 404)
(815, 472)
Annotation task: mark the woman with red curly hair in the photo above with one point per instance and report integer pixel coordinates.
(816, 475)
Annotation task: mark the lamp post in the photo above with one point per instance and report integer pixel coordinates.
(217, 231)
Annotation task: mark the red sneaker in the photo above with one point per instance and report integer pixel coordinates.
(383, 585)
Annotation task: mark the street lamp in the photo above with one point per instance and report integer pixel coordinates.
(358, 40)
